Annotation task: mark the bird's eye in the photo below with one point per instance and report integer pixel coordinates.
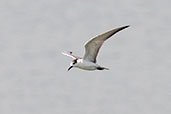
(74, 61)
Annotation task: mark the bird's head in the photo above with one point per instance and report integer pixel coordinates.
(72, 64)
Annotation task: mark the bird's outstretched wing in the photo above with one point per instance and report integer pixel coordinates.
(69, 54)
(93, 45)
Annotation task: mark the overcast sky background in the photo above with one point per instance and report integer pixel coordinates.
(33, 72)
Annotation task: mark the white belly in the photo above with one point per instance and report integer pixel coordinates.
(87, 65)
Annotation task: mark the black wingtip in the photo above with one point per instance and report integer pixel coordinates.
(126, 26)
(119, 29)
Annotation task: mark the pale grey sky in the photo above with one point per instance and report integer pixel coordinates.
(33, 72)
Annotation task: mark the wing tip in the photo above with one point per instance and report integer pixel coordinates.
(126, 26)
(66, 52)
(121, 28)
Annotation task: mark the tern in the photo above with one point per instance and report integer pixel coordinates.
(92, 46)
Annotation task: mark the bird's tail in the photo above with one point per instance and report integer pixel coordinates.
(102, 68)
(106, 68)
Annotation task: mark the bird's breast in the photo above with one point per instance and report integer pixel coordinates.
(87, 65)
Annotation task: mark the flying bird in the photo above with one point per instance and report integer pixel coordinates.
(92, 46)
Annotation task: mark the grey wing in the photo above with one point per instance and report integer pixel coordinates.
(93, 45)
(68, 53)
